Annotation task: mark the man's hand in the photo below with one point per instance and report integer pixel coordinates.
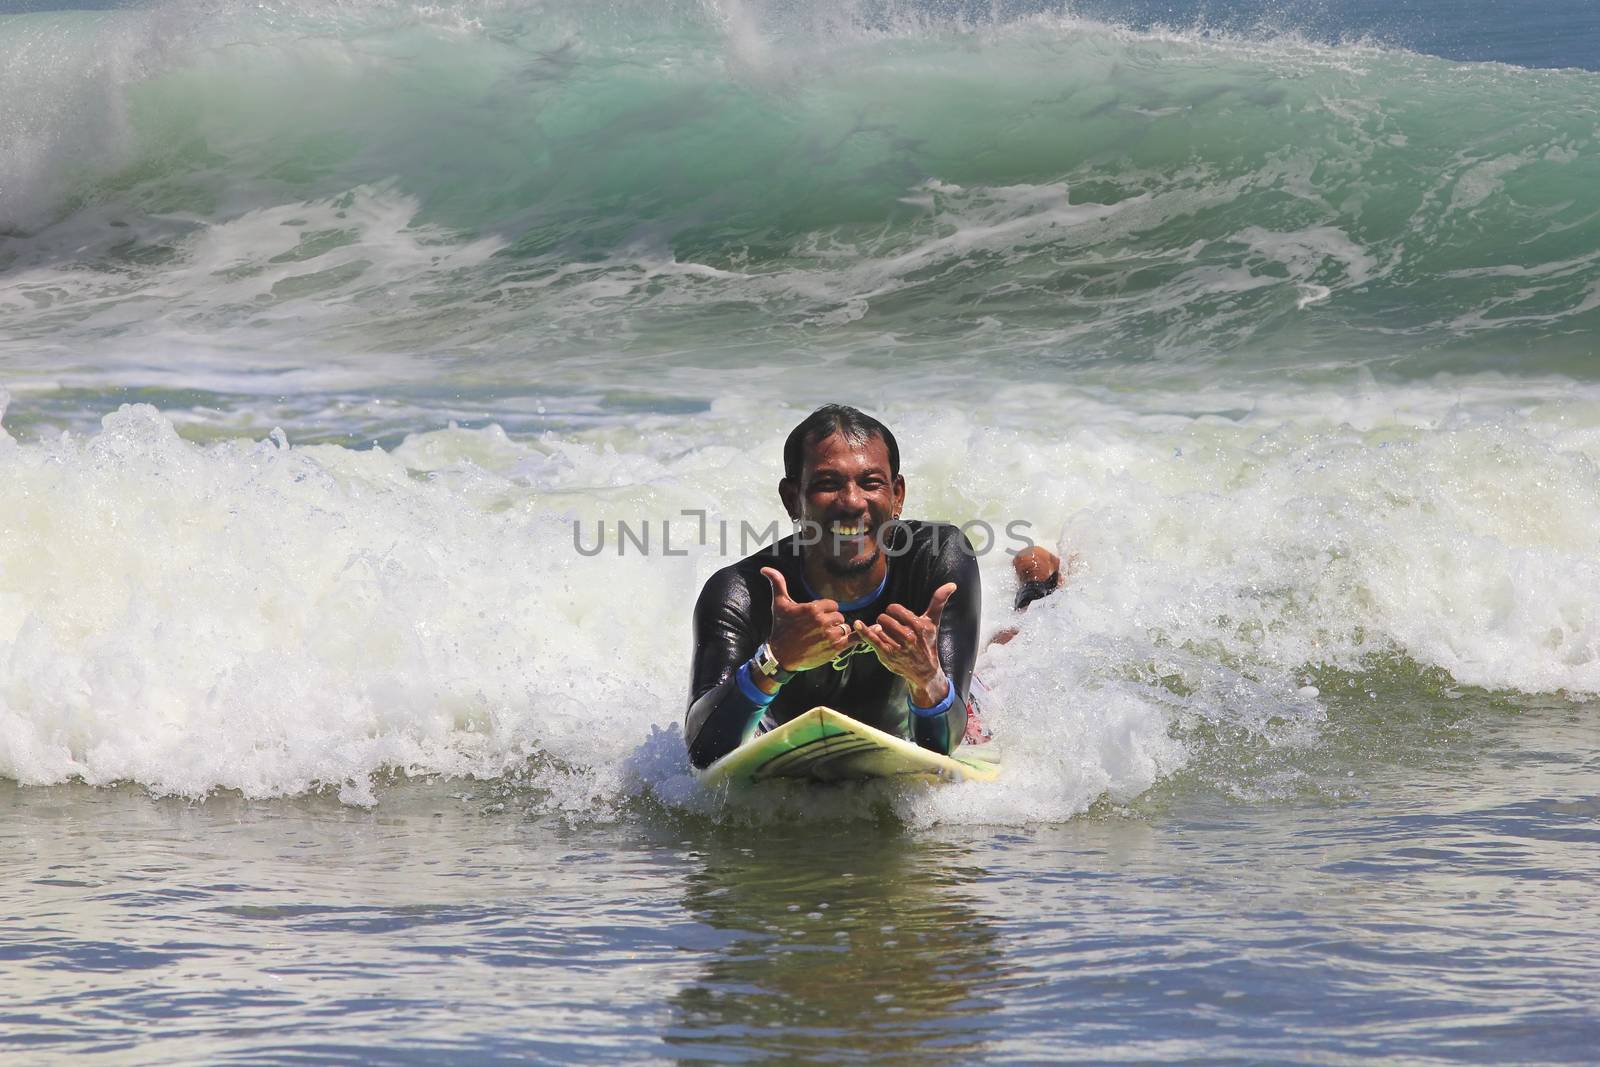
(804, 635)
(908, 645)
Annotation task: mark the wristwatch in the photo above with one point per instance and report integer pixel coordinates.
(766, 663)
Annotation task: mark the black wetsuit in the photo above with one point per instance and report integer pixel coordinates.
(734, 616)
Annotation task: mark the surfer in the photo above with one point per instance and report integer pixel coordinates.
(1038, 575)
(859, 610)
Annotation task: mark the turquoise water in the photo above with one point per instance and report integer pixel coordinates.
(630, 203)
(321, 326)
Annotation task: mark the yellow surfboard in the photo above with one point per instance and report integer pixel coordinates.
(823, 745)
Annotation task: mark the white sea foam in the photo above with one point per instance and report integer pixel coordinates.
(273, 618)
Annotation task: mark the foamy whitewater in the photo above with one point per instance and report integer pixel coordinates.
(275, 618)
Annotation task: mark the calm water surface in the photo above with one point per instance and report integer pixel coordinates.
(1439, 907)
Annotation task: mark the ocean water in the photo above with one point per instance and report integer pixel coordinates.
(333, 337)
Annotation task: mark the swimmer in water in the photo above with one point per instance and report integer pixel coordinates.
(1038, 575)
(859, 609)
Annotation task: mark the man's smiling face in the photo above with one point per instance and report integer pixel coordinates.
(848, 493)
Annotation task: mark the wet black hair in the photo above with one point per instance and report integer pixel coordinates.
(855, 426)
(1037, 589)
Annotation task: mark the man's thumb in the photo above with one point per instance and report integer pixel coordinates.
(780, 588)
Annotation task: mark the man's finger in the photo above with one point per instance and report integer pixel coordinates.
(941, 596)
(877, 638)
(896, 629)
(884, 641)
(903, 615)
(780, 587)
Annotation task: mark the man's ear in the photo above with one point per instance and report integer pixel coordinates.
(789, 493)
(899, 494)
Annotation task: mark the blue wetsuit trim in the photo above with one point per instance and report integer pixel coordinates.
(854, 605)
(939, 708)
(750, 690)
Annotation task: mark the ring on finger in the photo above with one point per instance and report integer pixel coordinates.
(846, 627)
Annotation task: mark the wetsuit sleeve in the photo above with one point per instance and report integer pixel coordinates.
(958, 644)
(723, 709)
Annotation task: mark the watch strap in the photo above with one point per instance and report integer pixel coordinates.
(767, 664)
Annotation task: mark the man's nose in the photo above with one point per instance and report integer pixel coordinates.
(851, 497)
